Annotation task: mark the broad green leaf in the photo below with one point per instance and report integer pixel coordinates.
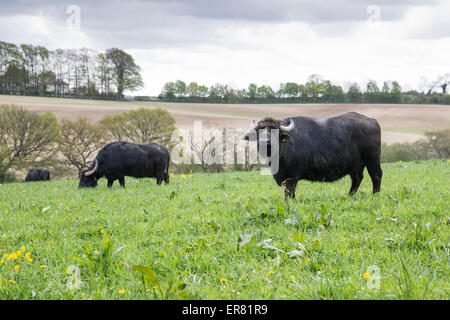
(147, 275)
(244, 239)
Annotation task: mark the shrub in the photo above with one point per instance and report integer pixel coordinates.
(26, 138)
(141, 126)
(6, 177)
(397, 152)
(439, 142)
(435, 145)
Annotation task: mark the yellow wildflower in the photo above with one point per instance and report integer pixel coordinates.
(43, 266)
(12, 256)
(171, 175)
(223, 281)
(22, 248)
(12, 281)
(183, 176)
(366, 275)
(1, 261)
(292, 277)
(122, 291)
(171, 244)
(271, 273)
(16, 268)
(29, 259)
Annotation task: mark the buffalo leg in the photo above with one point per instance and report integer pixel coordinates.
(159, 180)
(110, 183)
(356, 181)
(122, 182)
(376, 174)
(289, 186)
(166, 178)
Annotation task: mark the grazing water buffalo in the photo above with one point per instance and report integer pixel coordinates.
(323, 149)
(119, 159)
(38, 174)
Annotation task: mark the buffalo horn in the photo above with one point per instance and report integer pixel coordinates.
(288, 127)
(88, 173)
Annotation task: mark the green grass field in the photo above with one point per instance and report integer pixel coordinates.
(229, 236)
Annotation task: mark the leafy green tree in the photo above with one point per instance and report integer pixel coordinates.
(332, 93)
(193, 90)
(354, 94)
(203, 91)
(126, 72)
(385, 93)
(313, 90)
(213, 93)
(290, 90)
(265, 93)
(252, 91)
(372, 92)
(180, 89)
(396, 93)
(168, 91)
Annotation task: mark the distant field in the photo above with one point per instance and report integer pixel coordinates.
(229, 236)
(400, 123)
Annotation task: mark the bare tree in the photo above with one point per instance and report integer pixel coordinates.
(79, 141)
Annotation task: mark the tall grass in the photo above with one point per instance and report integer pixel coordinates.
(228, 236)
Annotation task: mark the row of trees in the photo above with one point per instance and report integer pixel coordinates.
(316, 90)
(29, 139)
(35, 70)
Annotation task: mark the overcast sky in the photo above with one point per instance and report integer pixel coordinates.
(237, 42)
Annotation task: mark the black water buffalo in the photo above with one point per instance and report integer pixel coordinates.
(119, 159)
(38, 174)
(323, 149)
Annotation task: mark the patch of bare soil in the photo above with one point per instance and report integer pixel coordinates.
(399, 123)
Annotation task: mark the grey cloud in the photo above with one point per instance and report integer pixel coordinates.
(160, 23)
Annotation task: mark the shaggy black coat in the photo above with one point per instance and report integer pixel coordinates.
(119, 159)
(329, 149)
(38, 174)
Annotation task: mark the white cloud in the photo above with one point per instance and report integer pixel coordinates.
(208, 50)
(42, 30)
(274, 53)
